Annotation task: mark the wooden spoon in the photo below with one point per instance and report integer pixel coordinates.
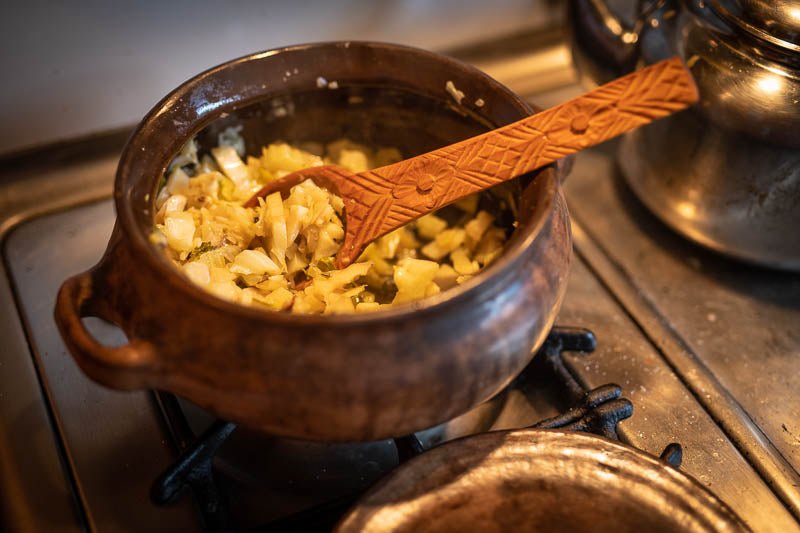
(380, 200)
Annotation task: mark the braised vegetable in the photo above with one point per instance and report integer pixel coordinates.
(279, 255)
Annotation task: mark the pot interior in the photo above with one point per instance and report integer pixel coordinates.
(372, 115)
(384, 96)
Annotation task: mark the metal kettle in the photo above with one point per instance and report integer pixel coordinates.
(725, 173)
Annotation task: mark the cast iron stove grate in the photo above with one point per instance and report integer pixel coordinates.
(596, 411)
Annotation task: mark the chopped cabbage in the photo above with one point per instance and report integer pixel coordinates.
(231, 164)
(430, 226)
(254, 262)
(279, 254)
(444, 243)
(414, 279)
(179, 228)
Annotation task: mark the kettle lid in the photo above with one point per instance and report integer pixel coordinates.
(774, 21)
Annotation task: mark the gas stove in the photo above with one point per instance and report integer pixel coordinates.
(707, 350)
(233, 473)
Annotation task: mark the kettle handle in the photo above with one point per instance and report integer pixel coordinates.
(615, 26)
(603, 46)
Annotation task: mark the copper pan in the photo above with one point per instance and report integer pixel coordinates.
(538, 480)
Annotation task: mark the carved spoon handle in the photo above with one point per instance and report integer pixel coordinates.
(432, 180)
(383, 199)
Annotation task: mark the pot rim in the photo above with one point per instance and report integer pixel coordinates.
(171, 276)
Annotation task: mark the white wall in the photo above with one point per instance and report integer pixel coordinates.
(73, 70)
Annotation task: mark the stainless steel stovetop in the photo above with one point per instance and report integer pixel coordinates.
(707, 349)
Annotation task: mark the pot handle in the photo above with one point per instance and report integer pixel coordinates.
(77, 298)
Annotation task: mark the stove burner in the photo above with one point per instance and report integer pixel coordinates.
(194, 469)
(597, 411)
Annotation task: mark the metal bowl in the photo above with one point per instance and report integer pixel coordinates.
(345, 377)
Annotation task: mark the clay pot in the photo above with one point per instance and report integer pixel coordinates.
(344, 377)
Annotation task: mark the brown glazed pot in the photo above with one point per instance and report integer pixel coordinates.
(345, 377)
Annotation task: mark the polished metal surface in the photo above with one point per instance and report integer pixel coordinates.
(728, 330)
(775, 21)
(727, 172)
(664, 409)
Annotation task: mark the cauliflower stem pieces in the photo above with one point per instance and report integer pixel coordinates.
(279, 255)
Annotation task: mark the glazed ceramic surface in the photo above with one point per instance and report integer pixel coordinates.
(345, 377)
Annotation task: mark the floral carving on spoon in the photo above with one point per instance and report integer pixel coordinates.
(424, 182)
